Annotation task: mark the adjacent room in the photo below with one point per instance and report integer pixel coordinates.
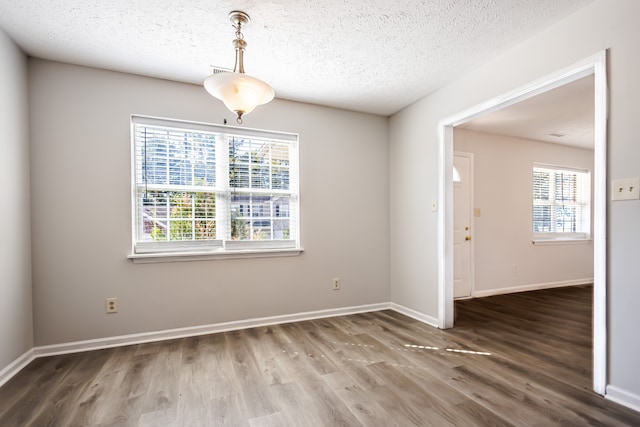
(177, 253)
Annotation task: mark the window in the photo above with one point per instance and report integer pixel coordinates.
(203, 189)
(561, 203)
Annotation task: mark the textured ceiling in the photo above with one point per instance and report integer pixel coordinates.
(374, 56)
(565, 115)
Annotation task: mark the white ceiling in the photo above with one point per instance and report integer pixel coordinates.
(564, 115)
(374, 56)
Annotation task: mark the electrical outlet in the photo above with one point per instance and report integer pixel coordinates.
(112, 305)
(336, 284)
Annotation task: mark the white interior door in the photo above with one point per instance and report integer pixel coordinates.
(462, 224)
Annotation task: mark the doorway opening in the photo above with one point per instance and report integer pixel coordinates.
(596, 66)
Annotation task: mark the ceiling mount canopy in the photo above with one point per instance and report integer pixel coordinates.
(240, 92)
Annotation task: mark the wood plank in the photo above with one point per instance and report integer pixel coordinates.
(253, 387)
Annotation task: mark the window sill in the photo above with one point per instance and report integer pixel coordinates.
(543, 242)
(208, 255)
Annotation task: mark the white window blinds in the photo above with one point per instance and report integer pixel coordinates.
(200, 187)
(561, 202)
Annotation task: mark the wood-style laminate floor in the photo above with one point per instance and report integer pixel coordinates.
(519, 359)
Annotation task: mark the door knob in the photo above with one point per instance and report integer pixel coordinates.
(467, 237)
(466, 228)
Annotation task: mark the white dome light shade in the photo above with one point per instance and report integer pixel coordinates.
(240, 92)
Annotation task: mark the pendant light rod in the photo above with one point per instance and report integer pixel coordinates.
(238, 19)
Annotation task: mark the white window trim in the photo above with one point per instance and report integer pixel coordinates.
(148, 252)
(541, 239)
(147, 258)
(565, 238)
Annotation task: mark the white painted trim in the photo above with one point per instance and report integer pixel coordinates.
(118, 341)
(431, 321)
(472, 218)
(600, 345)
(595, 65)
(551, 242)
(533, 287)
(122, 340)
(16, 366)
(445, 228)
(146, 258)
(623, 397)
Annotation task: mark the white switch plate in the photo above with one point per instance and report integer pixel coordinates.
(625, 189)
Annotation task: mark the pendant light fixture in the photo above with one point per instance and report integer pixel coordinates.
(240, 92)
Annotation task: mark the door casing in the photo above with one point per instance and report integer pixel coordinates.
(596, 66)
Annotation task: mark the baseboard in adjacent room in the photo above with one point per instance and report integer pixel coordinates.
(623, 397)
(533, 287)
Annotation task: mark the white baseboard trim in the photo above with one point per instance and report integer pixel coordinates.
(534, 287)
(16, 366)
(623, 397)
(431, 321)
(123, 340)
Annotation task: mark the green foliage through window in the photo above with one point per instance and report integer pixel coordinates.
(205, 185)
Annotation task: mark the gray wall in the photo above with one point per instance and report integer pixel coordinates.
(414, 166)
(82, 212)
(16, 320)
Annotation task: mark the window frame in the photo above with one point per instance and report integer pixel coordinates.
(223, 247)
(564, 237)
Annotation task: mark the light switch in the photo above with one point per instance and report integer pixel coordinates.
(476, 212)
(434, 206)
(625, 189)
